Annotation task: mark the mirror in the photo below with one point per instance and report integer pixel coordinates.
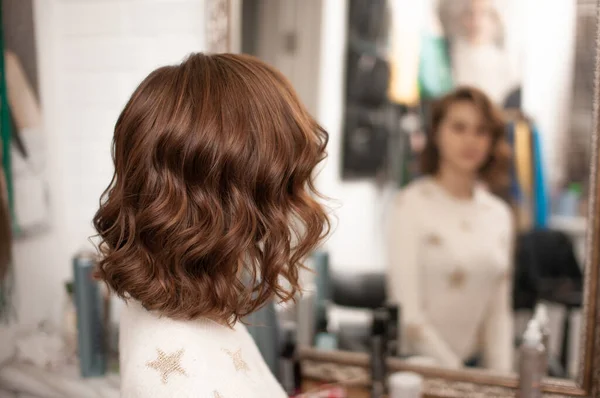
(459, 170)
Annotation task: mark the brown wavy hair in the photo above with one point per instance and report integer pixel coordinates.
(211, 209)
(495, 172)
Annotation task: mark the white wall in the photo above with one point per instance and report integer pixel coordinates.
(548, 76)
(91, 55)
(356, 242)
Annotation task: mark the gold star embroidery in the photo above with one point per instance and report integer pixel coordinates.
(167, 364)
(434, 240)
(457, 278)
(238, 362)
(217, 395)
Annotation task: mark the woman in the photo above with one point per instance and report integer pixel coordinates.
(213, 161)
(478, 50)
(451, 240)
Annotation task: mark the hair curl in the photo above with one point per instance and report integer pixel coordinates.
(496, 170)
(211, 208)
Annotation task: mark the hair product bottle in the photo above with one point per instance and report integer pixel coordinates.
(393, 341)
(90, 317)
(291, 371)
(532, 358)
(378, 352)
(543, 320)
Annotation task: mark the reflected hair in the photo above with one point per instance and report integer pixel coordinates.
(495, 172)
(212, 207)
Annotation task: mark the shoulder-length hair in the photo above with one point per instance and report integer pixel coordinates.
(211, 209)
(495, 170)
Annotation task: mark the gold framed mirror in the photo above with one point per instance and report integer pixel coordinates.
(347, 367)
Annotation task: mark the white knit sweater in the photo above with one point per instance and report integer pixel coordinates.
(164, 358)
(450, 268)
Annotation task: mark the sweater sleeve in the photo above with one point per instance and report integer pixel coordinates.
(404, 287)
(498, 329)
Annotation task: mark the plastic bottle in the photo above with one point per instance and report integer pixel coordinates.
(291, 371)
(378, 353)
(543, 320)
(393, 342)
(532, 357)
(90, 317)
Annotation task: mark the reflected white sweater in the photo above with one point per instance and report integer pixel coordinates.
(164, 358)
(450, 269)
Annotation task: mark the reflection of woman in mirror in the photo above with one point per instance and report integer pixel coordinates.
(450, 241)
(478, 53)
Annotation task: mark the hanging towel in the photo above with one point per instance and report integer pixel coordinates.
(5, 127)
(435, 74)
(524, 163)
(515, 189)
(405, 47)
(541, 199)
(523, 157)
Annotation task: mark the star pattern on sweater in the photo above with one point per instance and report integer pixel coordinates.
(434, 240)
(217, 395)
(238, 361)
(167, 364)
(457, 278)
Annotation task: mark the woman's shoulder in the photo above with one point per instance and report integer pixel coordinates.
(499, 207)
(415, 194)
(162, 357)
(140, 325)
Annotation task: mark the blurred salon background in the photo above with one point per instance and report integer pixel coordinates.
(369, 72)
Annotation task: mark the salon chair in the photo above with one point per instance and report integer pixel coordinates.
(546, 269)
(359, 291)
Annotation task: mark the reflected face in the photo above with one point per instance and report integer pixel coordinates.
(480, 21)
(463, 139)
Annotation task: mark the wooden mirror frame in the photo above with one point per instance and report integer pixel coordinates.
(350, 367)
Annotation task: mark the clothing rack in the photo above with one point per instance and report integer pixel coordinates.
(528, 188)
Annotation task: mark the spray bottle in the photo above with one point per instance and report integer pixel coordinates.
(531, 361)
(543, 320)
(378, 353)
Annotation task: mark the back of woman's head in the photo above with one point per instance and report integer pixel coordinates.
(211, 211)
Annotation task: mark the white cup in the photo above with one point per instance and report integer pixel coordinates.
(405, 385)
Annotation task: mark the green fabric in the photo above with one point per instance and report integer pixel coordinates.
(435, 72)
(5, 127)
(6, 309)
